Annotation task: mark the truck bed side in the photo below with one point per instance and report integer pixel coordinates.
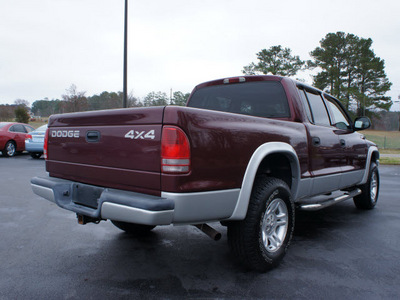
(222, 145)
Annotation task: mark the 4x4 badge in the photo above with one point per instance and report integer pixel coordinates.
(135, 135)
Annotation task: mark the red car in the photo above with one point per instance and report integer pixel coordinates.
(12, 137)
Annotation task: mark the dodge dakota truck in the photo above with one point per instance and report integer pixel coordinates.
(246, 152)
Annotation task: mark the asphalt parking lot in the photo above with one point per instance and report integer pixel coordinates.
(337, 253)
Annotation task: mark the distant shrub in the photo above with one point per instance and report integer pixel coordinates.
(21, 115)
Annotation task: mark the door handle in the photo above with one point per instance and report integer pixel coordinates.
(92, 136)
(316, 141)
(343, 143)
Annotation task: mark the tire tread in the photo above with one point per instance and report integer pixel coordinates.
(243, 235)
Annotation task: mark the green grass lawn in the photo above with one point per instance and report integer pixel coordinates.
(384, 139)
(389, 160)
(389, 151)
(388, 143)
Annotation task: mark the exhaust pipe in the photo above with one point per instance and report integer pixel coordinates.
(82, 220)
(211, 232)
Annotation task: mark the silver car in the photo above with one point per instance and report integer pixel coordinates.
(34, 142)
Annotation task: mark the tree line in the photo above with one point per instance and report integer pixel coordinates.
(347, 68)
(74, 101)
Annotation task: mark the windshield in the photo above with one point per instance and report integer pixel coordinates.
(262, 99)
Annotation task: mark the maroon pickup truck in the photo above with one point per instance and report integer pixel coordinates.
(246, 152)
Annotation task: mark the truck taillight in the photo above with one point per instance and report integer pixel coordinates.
(175, 151)
(46, 139)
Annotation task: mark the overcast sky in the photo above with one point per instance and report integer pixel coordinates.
(47, 45)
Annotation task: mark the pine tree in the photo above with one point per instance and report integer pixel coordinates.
(352, 72)
(276, 61)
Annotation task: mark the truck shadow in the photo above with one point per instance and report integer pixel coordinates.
(312, 225)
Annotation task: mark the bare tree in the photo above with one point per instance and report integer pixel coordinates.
(74, 100)
(22, 102)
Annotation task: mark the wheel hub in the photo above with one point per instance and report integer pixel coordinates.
(274, 225)
(10, 149)
(373, 187)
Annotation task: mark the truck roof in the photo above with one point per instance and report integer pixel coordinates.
(247, 78)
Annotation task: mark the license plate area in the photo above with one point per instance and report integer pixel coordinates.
(86, 195)
(38, 139)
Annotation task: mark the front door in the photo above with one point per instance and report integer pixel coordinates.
(353, 144)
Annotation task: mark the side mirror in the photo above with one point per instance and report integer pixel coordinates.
(361, 123)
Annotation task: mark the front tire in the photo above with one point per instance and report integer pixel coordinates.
(261, 240)
(370, 190)
(131, 228)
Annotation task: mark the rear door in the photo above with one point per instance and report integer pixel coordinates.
(325, 152)
(18, 133)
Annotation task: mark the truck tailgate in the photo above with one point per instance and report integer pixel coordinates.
(124, 154)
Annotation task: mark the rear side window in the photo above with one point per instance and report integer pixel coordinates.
(306, 105)
(28, 128)
(17, 128)
(319, 112)
(262, 99)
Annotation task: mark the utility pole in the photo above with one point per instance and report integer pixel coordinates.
(125, 92)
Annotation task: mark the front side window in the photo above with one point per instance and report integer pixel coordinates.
(262, 99)
(339, 118)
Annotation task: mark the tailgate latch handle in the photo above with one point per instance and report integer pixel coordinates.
(92, 136)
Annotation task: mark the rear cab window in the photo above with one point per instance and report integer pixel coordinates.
(265, 99)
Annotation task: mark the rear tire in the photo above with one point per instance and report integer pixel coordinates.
(9, 149)
(370, 190)
(261, 240)
(36, 155)
(131, 228)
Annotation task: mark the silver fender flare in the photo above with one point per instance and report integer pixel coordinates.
(258, 156)
(371, 151)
